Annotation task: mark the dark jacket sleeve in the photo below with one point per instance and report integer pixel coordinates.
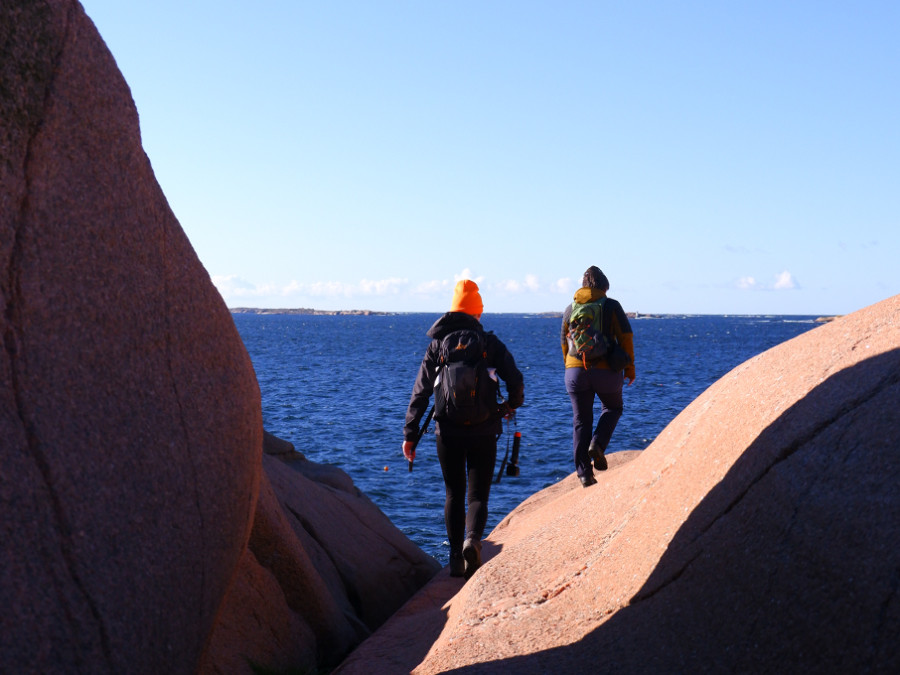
(624, 335)
(506, 368)
(422, 388)
(620, 318)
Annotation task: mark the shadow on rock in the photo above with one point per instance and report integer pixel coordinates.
(404, 641)
(790, 564)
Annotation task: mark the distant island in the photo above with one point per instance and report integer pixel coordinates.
(305, 310)
(369, 312)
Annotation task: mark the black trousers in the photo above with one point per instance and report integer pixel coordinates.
(467, 463)
(582, 385)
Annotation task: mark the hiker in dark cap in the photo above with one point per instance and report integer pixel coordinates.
(458, 367)
(598, 348)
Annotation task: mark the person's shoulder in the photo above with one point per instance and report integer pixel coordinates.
(619, 315)
(498, 354)
(493, 343)
(432, 350)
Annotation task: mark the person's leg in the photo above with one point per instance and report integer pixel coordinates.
(608, 386)
(481, 460)
(452, 456)
(582, 397)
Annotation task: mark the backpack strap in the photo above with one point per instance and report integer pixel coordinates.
(602, 303)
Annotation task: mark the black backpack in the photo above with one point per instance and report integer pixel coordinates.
(464, 391)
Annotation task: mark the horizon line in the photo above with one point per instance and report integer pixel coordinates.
(374, 312)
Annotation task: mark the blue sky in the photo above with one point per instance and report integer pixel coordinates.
(710, 157)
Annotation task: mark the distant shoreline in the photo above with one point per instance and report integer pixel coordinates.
(305, 310)
(368, 312)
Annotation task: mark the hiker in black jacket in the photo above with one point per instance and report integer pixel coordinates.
(465, 450)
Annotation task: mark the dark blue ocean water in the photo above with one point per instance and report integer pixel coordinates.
(337, 387)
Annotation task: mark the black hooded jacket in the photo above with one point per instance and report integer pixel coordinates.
(498, 357)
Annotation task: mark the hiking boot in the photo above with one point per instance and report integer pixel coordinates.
(457, 565)
(596, 454)
(472, 554)
(587, 480)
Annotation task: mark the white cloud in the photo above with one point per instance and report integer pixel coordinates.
(391, 286)
(564, 285)
(431, 287)
(783, 281)
(383, 287)
(318, 289)
(291, 288)
(235, 289)
(232, 286)
(467, 274)
(532, 284)
(508, 286)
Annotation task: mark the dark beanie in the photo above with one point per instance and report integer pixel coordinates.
(594, 278)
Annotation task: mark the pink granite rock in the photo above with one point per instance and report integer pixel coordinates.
(325, 568)
(130, 415)
(129, 410)
(758, 533)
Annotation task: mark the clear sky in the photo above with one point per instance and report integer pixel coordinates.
(711, 157)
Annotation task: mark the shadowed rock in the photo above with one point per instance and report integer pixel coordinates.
(129, 410)
(325, 567)
(758, 533)
(131, 478)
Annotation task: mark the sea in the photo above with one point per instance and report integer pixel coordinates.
(337, 387)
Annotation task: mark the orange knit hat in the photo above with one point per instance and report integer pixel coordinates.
(466, 298)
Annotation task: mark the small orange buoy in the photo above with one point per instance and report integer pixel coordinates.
(385, 468)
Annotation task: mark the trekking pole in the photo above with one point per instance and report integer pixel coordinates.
(506, 456)
(512, 469)
(420, 434)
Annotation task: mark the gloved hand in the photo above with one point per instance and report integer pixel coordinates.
(408, 450)
(504, 410)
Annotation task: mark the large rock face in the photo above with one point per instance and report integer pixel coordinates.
(140, 533)
(129, 410)
(758, 533)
